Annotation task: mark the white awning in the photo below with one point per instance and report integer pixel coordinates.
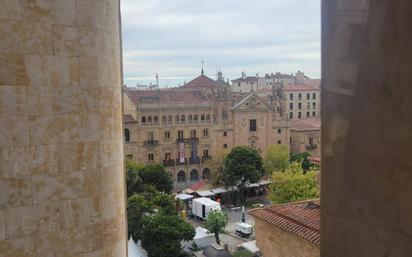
(205, 193)
(184, 197)
(264, 182)
(220, 190)
(252, 185)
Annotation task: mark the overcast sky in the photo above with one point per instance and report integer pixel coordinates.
(171, 37)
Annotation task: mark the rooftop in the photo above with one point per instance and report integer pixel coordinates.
(301, 219)
(312, 123)
(201, 82)
(290, 88)
(127, 118)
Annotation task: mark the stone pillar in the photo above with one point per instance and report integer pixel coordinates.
(366, 128)
(61, 165)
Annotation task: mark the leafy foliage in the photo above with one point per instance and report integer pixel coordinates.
(216, 166)
(144, 204)
(276, 158)
(216, 222)
(242, 165)
(133, 181)
(294, 185)
(303, 158)
(157, 176)
(162, 235)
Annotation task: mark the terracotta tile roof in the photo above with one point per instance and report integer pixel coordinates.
(312, 123)
(127, 118)
(201, 82)
(291, 88)
(167, 96)
(301, 219)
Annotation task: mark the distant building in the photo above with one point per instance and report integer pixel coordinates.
(184, 127)
(288, 230)
(305, 136)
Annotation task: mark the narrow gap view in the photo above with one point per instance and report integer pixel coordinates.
(222, 127)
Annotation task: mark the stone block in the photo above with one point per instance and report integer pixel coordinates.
(14, 131)
(26, 37)
(47, 188)
(81, 212)
(12, 70)
(10, 10)
(53, 12)
(109, 153)
(41, 101)
(52, 70)
(99, 71)
(20, 161)
(15, 192)
(63, 243)
(55, 129)
(13, 100)
(78, 157)
(76, 100)
(2, 226)
(75, 40)
(95, 237)
(21, 247)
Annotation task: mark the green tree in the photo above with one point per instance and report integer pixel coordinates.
(303, 158)
(243, 165)
(216, 166)
(133, 181)
(138, 206)
(216, 222)
(162, 235)
(276, 158)
(157, 176)
(294, 185)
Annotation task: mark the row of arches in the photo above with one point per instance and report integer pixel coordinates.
(193, 175)
(179, 119)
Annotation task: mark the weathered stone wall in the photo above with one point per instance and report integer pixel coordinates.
(366, 128)
(61, 161)
(275, 242)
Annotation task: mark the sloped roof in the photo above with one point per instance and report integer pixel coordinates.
(299, 88)
(201, 82)
(247, 79)
(142, 96)
(246, 97)
(301, 219)
(312, 123)
(127, 118)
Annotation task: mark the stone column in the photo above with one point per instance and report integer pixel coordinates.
(366, 128)
(61, 165)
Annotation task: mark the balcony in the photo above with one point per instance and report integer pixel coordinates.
(187, 140)
(195, 160)
(181, 163)
(311, 146)
(151, 143)
(206, 158)
(168, 163)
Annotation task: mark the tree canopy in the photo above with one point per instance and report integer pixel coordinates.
(162, 235)
(303, 158)
(276, 157)
(294, 185)
(216, 166)
(157, 176)
(216, 222)
(133, 181)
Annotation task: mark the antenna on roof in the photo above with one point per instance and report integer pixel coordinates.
(157, 79)
(202, 66)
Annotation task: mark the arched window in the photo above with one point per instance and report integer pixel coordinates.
(156, 119)
(170, 119)
(206, 174)
(182, 118)
(149, 119)
(208, 118)
(195, 118)
(181, 176)
(177, 118)
(190, 118)
(127, 135)
(194, 175)
(144, 119)
(202, 117)
(163, 119)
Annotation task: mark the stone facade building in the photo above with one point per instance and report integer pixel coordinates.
(305, 136)
(183, 127)
(287, 230)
